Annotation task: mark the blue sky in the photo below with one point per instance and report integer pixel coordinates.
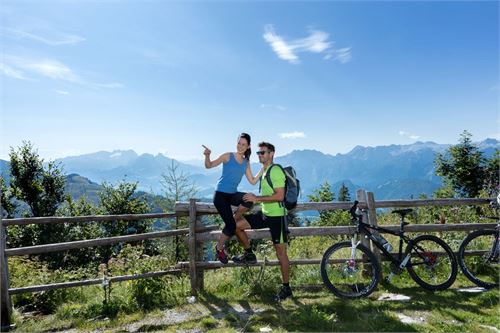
(165, 77)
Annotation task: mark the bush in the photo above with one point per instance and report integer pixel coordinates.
(21, 274)
(147, 293)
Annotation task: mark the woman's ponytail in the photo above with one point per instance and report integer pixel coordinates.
(248, 152)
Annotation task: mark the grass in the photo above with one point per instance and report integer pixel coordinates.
(233, 301)
(240, 300)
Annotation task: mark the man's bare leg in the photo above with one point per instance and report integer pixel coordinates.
(238, 214)
(284, 262)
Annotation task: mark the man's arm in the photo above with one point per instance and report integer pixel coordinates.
(278, 196)
(278, 179)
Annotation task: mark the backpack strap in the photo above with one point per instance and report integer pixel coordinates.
(270, 182)
(268, 178)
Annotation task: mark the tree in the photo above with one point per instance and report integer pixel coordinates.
(323, 194)
(344, 193)
(80, 230)
(177, 187)
(491, 179)
(7, 200)
(41, 188)
(121, 199)
(462, 167)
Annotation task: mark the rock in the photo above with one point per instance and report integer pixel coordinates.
(472, 290)
(409, 320)
(393, 297)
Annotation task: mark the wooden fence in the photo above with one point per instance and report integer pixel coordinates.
(199, 234)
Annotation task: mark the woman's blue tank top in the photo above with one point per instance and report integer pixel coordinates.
(232, 172)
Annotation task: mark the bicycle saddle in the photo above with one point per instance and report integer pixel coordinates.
(402, 212)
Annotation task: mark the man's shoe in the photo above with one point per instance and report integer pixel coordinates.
(245, 258)
(221, 255)
(283, 294)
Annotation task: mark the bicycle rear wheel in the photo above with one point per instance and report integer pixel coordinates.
(350, 272)
(432, 263)
(478, 257)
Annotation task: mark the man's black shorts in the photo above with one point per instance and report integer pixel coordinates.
(276, 224)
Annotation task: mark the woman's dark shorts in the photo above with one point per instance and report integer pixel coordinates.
(223, 202)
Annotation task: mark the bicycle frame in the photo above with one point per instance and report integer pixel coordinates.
(402, 259)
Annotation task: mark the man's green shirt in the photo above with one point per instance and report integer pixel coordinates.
(278, 179)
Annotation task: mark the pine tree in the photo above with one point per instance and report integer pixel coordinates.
(462, 167)
(344, 193)
(323, 194)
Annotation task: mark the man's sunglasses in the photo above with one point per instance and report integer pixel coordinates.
(262, 152)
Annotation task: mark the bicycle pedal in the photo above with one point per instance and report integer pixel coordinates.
(395, 270)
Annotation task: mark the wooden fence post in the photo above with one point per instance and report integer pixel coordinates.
(5, 303)
(372, 219)
(176, 240)
(361, 197)
(192, 246)
(199, 258)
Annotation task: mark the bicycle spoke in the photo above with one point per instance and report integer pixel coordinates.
(432, 264)
(349, 271)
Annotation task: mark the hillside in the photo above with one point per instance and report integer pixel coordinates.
(391, 172)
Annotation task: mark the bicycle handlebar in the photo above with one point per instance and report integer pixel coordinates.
(352, 210)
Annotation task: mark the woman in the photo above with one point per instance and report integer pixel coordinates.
(234, 165)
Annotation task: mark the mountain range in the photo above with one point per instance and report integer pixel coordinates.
(391, 172)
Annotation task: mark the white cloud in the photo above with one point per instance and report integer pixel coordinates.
(272, 106)
(10, 72)
(316, 42)
(49, 36)
(292, 135)
(50, 68)
(61, 92)
(53, 69)
(282, 49)
(409, 135)
(343, 55)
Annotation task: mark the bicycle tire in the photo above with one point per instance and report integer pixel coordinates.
(482, 270)
(346, 277)
(428, 263)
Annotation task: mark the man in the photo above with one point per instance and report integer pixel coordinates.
(272, 216)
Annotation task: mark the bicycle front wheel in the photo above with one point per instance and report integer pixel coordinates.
(432, 263)
(350, 271)
(478, 257)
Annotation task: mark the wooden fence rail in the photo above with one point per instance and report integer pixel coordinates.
(199, 234)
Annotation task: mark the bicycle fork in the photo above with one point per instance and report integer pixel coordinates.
(354, 244)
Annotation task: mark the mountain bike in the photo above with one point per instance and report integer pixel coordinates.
(351, 270)
(479, 255)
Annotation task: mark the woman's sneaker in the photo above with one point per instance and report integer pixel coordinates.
(221, 255)
(283, 294)
(245, 258)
